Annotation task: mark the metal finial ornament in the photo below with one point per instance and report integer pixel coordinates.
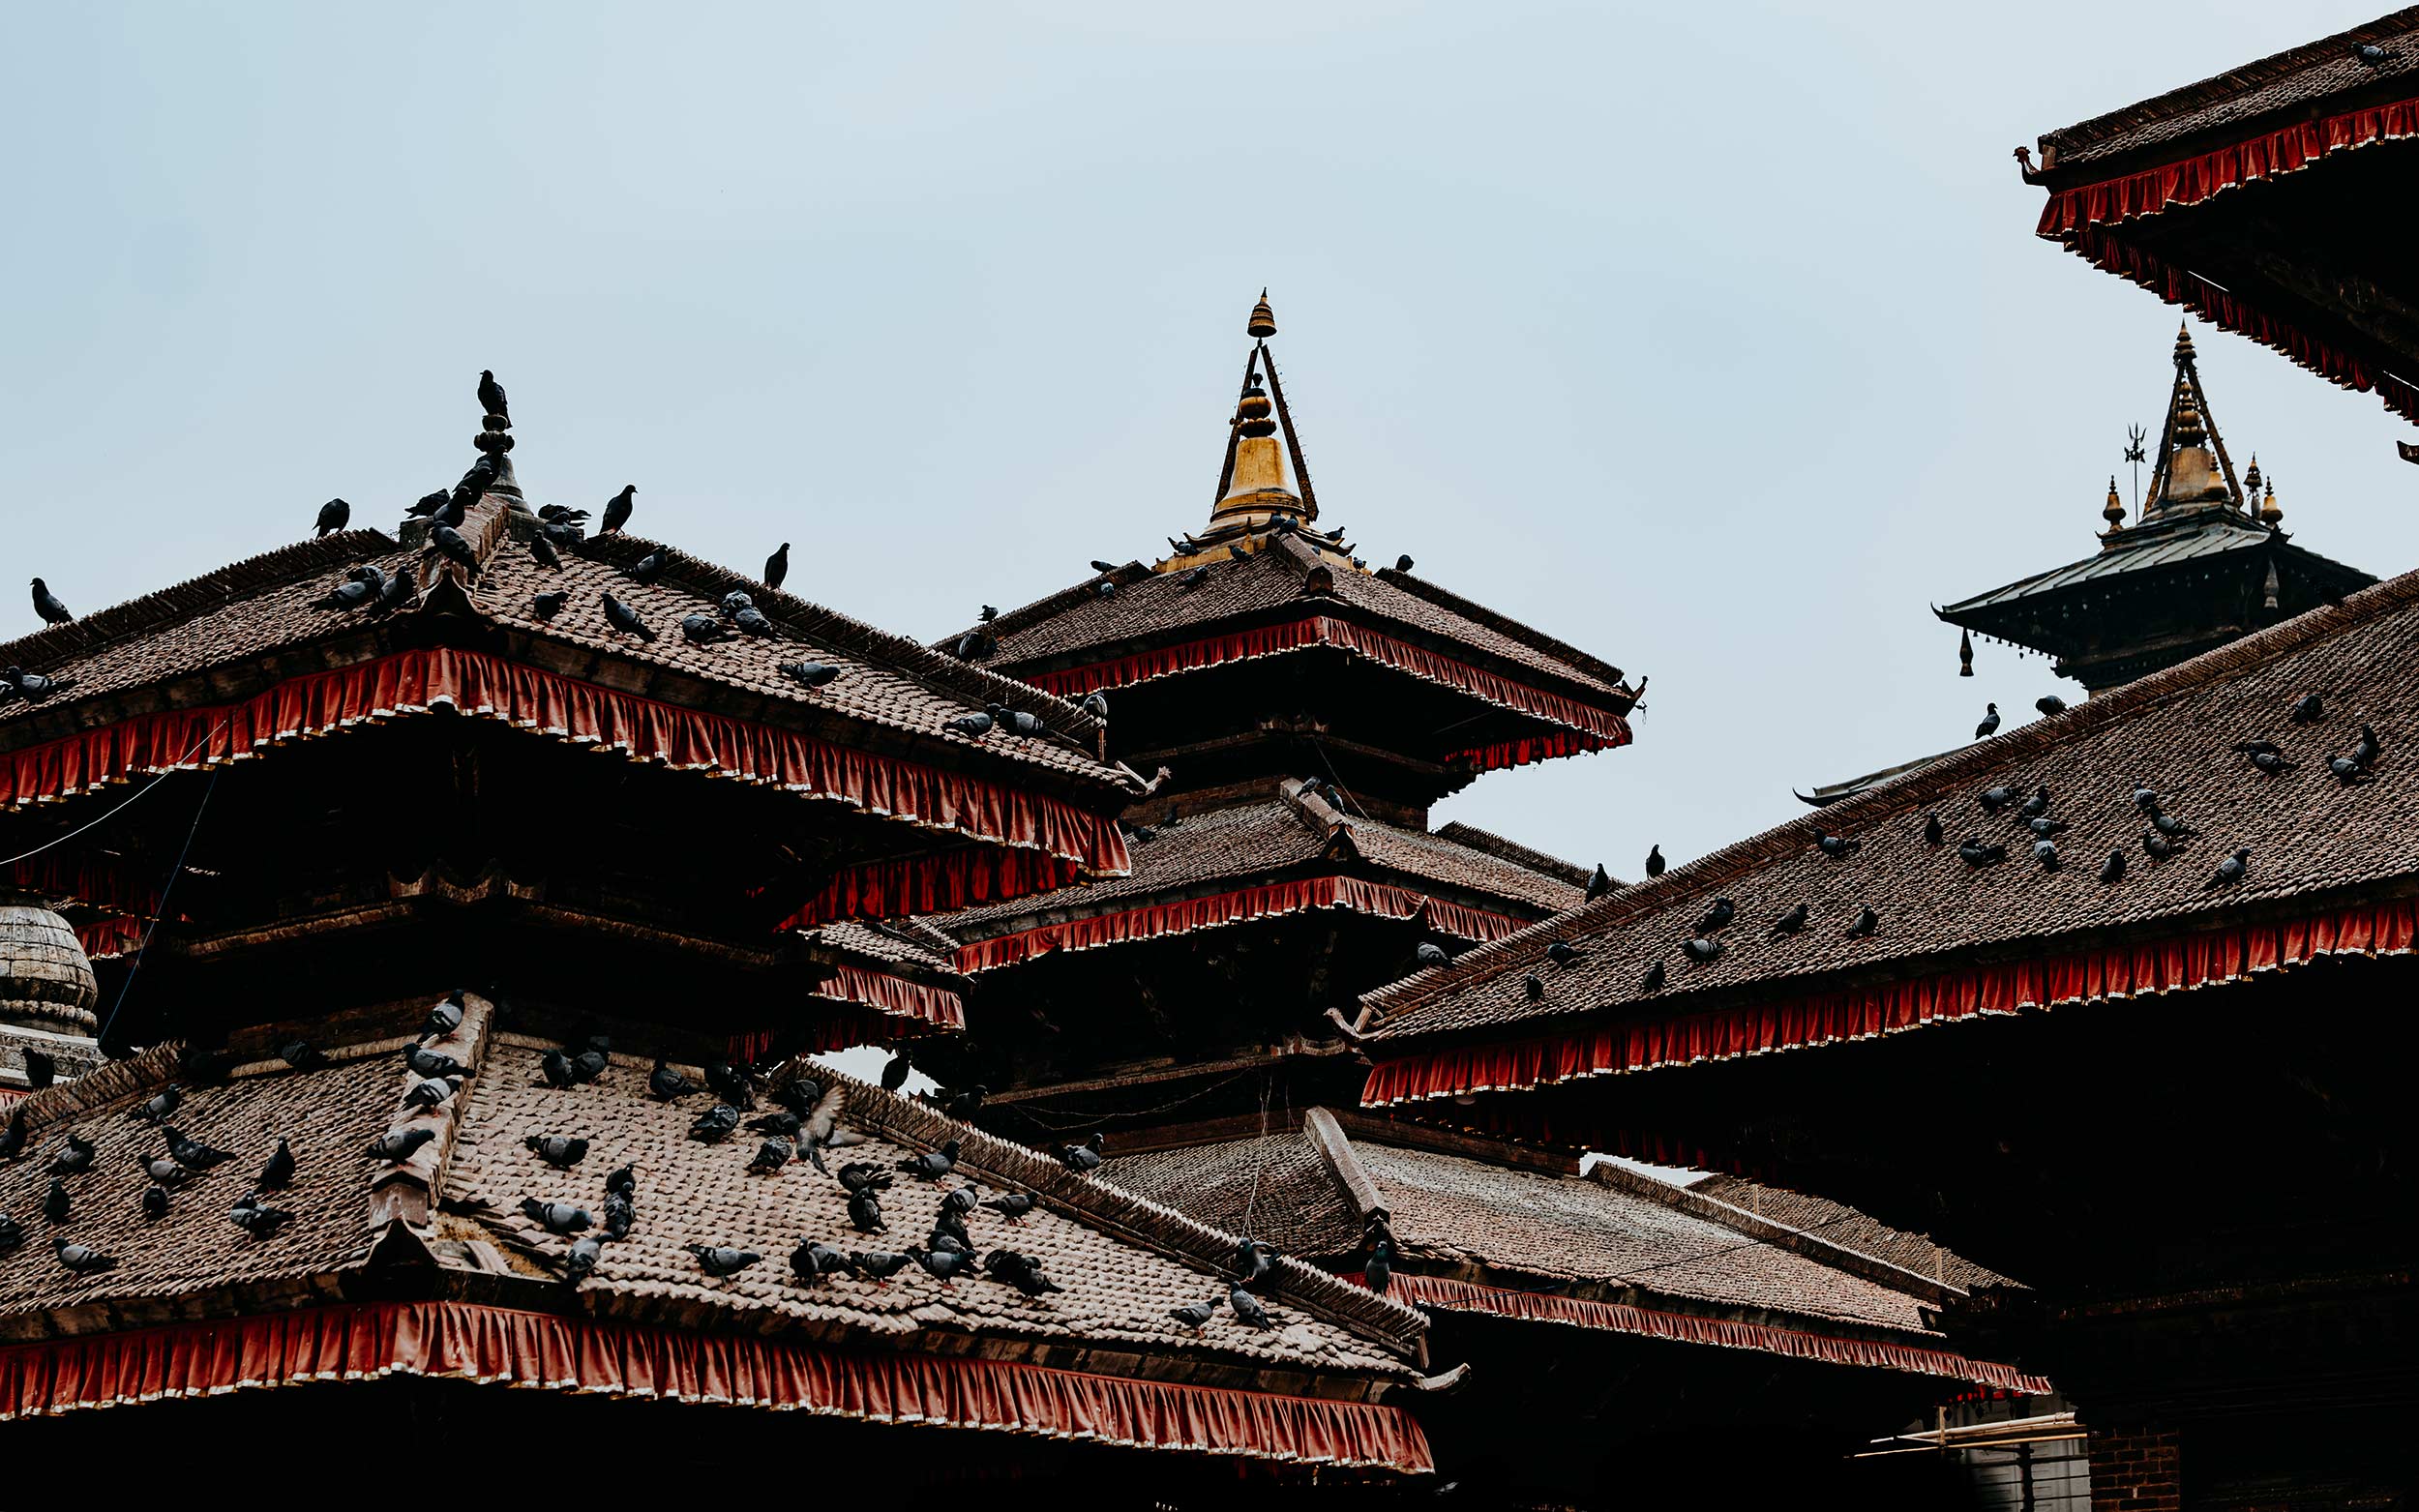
(2114, 512)
(2251, 480)
(2137, 452)
(1966, 652)
(2271, 514)
(1263, 323)
(2272, 589)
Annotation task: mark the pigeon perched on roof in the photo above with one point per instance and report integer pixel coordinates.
(1253, 1258)
(932, 1165)
(2046, 853)
(1082, 1159)
(974, 726)
(559, 1150)
(545, 605)
(167, 1172)
(492, 396)
(1248, 1311)
(2036, 805)
(158, 1105)
(2171, 826)
(1431, 954)
(1015, 721)
(2045, 827)
(432, 1063)
(1021, 1271)
(1012, 1206)
(557, 1217)
(1563, 954)
(622, 617)
(2307, 709)
(618, 510)
(714, 1125)
(942, 1265)
(11, 1233)
(1838, 846)
(723, 1261)
(647, 569)
(561, 515)
(54, 1202)
(2366, 749)
(782, 1123)
(2230, 869)
(555, 1071)
(429, 504)
(621, 1213)
(399, 1144)
(1099, 566)
(666, 1085)
(450, 544)
(2372, 54)
(542, 552)
(155, 1202)
(877, 1266)
(301, 1054)
(276, 1172)
(1402, 564)
(82, 1259)
(1791, 922)
(1701, 950)
(192, 1155)
(257, 1218)
(1600, 883)
(1196, 1315)
(1105, 589)
(1975, 853)
(858, 1176)
(1535, 986)
(772, 1157)
(1993, 799)
(1095, 704)
(2158, 846)
(443, 1019)
(2348, 771)
(47, 604)
(582, 1259)
(809, 674)
(1933, 834)
(777, 567)
(1655, 862)
(1989, 724)
(1191, 577)
(2113, 869)
(2273, 762)
(364, 586)
(2049, 703)
(865, 1211)
(77, 1158)
(1653, 981)
(1720, 914)
(559, 534)
(812, 1262)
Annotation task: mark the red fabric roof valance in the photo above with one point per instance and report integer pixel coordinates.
(497, 1346)
(1048, 843)
(1598, 729)
(1720, 1333)
(2108, 972)
(1150, 921)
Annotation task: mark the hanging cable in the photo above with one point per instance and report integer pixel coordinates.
(143, 951)
(115, 809)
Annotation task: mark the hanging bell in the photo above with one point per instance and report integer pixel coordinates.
(1263, 324)
(1966, 652)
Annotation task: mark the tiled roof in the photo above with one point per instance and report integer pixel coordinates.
(1156, 609)
(889, 945)
(2302, 80)
(1274, 1187)
(1253, 839)
(1843, 1225)
(2174, 731)
(2217, 535)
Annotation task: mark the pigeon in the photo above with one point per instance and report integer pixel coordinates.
(942, 1265)
(964, 1106)
(1866, 922)
(81, 1259)
(2272, 763)
(492, 396)
(559, 535)
(777, 566)
(1720, 914)
(2170, 827)
(809, 674)
(751, 621)
(1248, 1310)
(2348, 771)
(2051, 703)
(622, 617)
(1082, 1159)
(617, 511)
(1021, 1271)
(562, 1151)
(1015, 721)
(1535, 986)
(192, 1155)
(1600, 884)
(2372, 54)
(559, 515)
(430, 504)
(1253, 1258)
(1191, 577)
(715, 1124)
(586, 1251)
(702, 629)
(620, 1214)
(1012, 1206)
(557, 1217)
(1975, 853)
(1402, 564)
(554, 1069)
(1431, 954)
(2158, 844)
(879, 1265)
(1838, 846)
(54, 1202)
(1099, 566)
(2147, 801)
(895, 1071)
(398, 1144)
(2046, 851)
(647, 569)
(301, 1054)
(1655, 862)
(543, 551)
(450, 544)
(974, 726)
(783, 1124)
(1105, 589)
(865, 1212)
(398, 592)
(12, 1140)
(1653, 981)
(666, 1085)
(1933, 834)
(2045, 827)
(443, 1019)
(1095, 704)
(1990, 723)
(932, 1165)
(772, 1157)
(432, 1063)
(47, 604)
(622, 1179)
(2366, 750)
(723, 1261)
(1791, 922)
(988, 614)
(2036, 805)
(276, 1172)
(1196, 1315)
(811, 1262)
(155, 1202)
(430, 1092)
(858, 1176)
(545, 605)
(11, 1233)
(2257, 747)
(166, 1172)
(352, 594)
(2113, 869)
(1563, 954)
(1702, 951)
(2307, 709)
(1993, 799)
(2229, 870)
(77, 1158)
(257, 1219)
(1379, 1271)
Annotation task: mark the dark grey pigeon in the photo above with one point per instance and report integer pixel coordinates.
(865, 1212)
(702, 629)
(772, 1157)
(1099, 566)
(751, 621)
(1535, 986)
(12, 1234)
(1989, 724)
(1015, 721)
(492, 396)
(301, 1054)
(623, 1180)
(647, 569)
(13, 1139)
(1702, 951)
(586, 1251)
(975, 727)
(620, 1213)
(2158, 846)
(1720, 914)
(360, 591)
(1600, 883)
(783, 1124)
(618, 510)
(1563, 954)
(777, 567)
(715, 1125)
(1933, 834)
(1866, 922)
(858, 1176)
(895, 1070)
(432, 1063)
(723, 1261)
(942, 1265)
(1095, 704)
(158, 1105)
(54, 1202)
(155, 1202)
(430, 504)
(2230, 869)
(2046, 851)
(397, 591)
(192, 1154)
(812, 1261)
(2309, 709)
(399, 1144)
(877, 1266)
(554, 1070)
(451, 545)
(257, 1218)
(2036, 805)
(932, 1165)
(443, 1019)
(1012, 1206)
(2050, 704)
(47, 604)
(332, 515)
(1838, 846)
(1196, 1316)
(81, 1259)
(77, 1158)
(622, 617)
(167, 1172)
(543, 551)
(1431, 954)
(1653, 981)
(2348, 771)
(1248, 1311)
(588, 1065)
(559, 1150)
(2146, 800)
(1655, 862)
(2367, 751)
(277, 1173)
(2045, 827)
(2172, 827)
(1975, 853)
(1402, 564)
(1993, 799)
(809, 674)
(557, 1217)
(1082, 1159)
(1791, 922)
(2113, 869)
(666, 1085)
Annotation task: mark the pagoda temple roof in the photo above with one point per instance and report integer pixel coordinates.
(1296, 831)
(2213, 534)
(444, 1231)
(1485, 1227)
(2330, 867)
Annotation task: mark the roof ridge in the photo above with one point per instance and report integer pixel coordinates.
(1127, 1216)
(2234, 81)
(1513, 850)
(65, 1102)
(1047, 604)
(846, 632)
(181, 601)
(1502, 624)
(1888, 800)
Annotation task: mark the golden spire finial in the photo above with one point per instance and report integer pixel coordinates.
(2114, 512)
(2251, 480)
(1263, 322)
(2271, 513)
(2183, 343)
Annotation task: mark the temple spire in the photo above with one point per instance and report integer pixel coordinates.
(2191, 471)
(1263, 485)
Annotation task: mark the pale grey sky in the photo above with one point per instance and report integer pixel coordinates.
(1714, 340)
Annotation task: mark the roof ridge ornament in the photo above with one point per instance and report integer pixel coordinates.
(2191, 469)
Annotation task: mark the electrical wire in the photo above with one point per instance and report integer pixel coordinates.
(144, 950)
(114, 811)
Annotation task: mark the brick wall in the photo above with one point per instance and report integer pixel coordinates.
(2136, 1469)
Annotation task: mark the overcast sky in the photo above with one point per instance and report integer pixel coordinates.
(1716, 344)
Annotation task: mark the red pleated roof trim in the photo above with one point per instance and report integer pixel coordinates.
(1150, 921)
(1603, 728)
(2204, 175)
(1689, 1328)
(499, 1345)
(2100, 974)
(1050, 843)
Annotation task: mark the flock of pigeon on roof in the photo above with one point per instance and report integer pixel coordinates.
(2165, 833)
(801, 1126)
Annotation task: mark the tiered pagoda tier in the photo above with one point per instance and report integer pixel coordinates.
(2156, 1072)
(306, 810)
(2206, 562)
(1299, 714)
